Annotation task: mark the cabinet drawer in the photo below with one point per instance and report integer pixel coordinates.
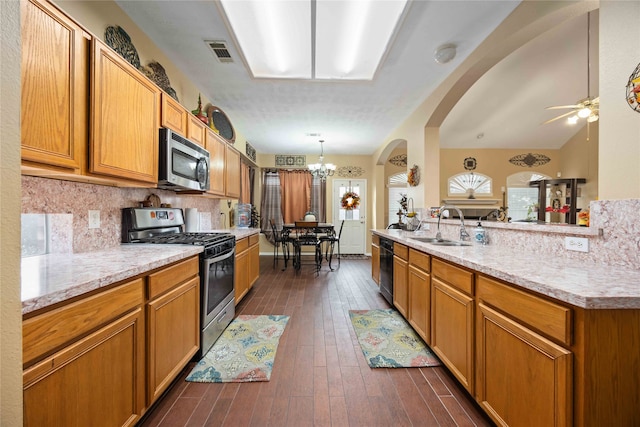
(455, 276)
(49, 331)
(401, 250)
(420, 260)
(171, 276)
(550, 319)
(254, 239)
(242, 245)
(375, 239)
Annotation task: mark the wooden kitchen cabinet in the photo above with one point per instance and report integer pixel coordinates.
(241, 280)
(85, 361)
(254, 259)
(124, 119)
(515, 359)
(173, 323)
(217, 149)
(196, 130)
(400, 285)
(55, 79)
(452, 322)
(232, 172)
(419, 281)
(375, 258)
(173, 115)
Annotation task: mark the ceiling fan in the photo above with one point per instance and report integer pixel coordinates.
(587, 108)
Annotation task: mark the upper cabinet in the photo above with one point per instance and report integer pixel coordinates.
(174, 115)
(233, 173)
(224, 168)
(124, 119)
(55, 69)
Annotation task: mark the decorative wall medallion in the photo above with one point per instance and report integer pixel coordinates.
(118, 40)
(529, 160)
(399, 160)
(470, 163)
(291, 161)
(158, 75)
(250, 151)
(633, 90)
(350, 171)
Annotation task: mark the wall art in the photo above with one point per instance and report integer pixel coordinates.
(290, 161)
(350, 171)
(529, 160)
(399, 160)
(470, 163)
(118, 40)
(633, 90)
(413, 177)
(158, 75)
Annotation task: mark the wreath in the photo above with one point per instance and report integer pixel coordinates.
(350, 200)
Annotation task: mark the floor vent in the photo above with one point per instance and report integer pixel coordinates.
(220, 50)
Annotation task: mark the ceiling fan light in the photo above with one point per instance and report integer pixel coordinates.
(584, 112)
(593, 118)
(573, 120)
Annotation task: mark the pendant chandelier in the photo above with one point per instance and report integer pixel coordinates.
(322, 170)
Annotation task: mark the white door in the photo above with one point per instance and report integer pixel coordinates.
(353, 238)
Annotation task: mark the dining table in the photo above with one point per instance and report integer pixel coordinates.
(301, 233)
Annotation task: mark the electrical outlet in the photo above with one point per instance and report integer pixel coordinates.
(94, 219)
(579, 244)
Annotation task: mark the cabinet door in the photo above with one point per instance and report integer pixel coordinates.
(195, 130)
(217, 149)
(241, 280)
(174, 115)
(174, 334)
(375, 263)
(420, 302)
(55, 66)
(232, 168)
(523, 378)
(452, 330)
(254, 264)
(97, 381)
(400, 286)
(124, 137)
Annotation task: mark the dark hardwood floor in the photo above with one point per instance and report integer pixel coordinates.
(320, 376)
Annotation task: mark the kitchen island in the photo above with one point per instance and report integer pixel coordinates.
(534, 338)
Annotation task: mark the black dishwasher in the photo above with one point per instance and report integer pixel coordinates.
(386, 269)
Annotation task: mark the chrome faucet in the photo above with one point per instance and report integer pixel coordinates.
(464, 236)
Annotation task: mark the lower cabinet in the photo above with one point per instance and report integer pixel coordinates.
(103, 359)
(452, 323)
(375, 258)
(419, 281)
(254, 259)
(400, 275)
(173, 324)
(247, 269)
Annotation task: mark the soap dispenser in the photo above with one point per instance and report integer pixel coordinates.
(479, 234)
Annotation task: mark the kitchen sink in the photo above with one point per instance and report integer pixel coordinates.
(443, 242)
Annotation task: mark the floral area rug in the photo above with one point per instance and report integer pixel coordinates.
(388, 341)
(244, 352)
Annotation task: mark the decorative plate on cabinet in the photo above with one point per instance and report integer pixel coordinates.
(219, 122)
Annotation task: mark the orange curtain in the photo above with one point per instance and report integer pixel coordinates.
(245, 183)
(296, 194)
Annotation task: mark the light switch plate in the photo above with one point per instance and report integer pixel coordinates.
(579, 244)
(94, 219)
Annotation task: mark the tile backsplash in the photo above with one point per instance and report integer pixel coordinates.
(67, 206)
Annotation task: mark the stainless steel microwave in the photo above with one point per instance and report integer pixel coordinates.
(184, 165)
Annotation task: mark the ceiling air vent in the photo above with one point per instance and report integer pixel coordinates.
(220, 50)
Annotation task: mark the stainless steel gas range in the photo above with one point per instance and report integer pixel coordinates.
(217, 262)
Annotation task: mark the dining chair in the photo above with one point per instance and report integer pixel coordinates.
(306, 235)
(329, 242)
(310, 216)
(279, 240)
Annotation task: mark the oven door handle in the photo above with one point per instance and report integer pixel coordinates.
(219, 258)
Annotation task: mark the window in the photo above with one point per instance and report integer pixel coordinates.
(522, 199)
(397, 187)
(469, 183)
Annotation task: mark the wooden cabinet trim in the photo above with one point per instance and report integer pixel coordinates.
(51, 330)
(172, 276)
(242, 245)
(173, 115)
(420, 260)
(548, 318)
(401, 251)
(195, 130)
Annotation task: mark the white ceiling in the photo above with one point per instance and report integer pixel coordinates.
(506, 105)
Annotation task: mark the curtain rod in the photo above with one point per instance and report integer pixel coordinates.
(277, 169)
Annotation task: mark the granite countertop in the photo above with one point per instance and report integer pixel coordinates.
(53, 278)
(580, 284)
